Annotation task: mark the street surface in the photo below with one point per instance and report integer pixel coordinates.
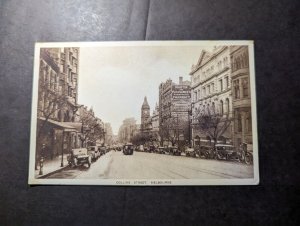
(140, 165)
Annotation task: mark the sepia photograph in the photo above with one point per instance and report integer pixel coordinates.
(144, 113)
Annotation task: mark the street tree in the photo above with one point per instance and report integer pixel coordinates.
(140, 138)
(50, 100)
(212, 123)
(91, 127)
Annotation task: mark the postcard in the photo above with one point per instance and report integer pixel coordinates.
(144, 113)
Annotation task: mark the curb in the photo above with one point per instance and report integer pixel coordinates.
(51, 173)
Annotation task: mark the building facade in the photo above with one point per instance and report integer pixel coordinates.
(57, 101)
(241, 95)
(211, 89)
(174, 112)
(145, 117)
(128, 130)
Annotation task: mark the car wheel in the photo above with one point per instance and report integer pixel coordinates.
(75, 161)
(89, 161)
(248, 159)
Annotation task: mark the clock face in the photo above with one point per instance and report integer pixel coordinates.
(145, 112)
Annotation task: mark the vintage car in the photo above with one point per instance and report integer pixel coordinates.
(161, 150)
(79, 156)
(102, 150)
(173, 150)
(152, 149)
(206, 152)
(94, 152)
(225, 151)
(190, 152)
(128, 149)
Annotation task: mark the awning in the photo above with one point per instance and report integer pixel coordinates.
(60, 125)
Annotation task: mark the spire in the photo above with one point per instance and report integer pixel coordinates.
(145, 104)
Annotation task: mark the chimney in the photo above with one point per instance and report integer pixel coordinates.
(180, 80)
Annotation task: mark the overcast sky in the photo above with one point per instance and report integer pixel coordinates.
(115, 80)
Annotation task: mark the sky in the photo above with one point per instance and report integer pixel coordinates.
(115, 79)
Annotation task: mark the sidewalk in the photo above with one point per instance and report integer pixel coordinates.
(51, 166)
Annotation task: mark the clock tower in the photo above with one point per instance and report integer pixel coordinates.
(145, 115)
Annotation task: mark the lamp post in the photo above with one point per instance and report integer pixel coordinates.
(62, 149)
(42, 159)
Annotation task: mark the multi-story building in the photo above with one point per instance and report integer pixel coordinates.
(145, 117)
(127, 130)
(57, 100)
(108, 134)
(241, 100)
(211, 89)
(174, 111)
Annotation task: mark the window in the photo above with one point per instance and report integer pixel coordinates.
(239, 123)
(245, 87)
(227, 82)
(221, 107)
(212, 87)
(236, 89)
(227, 106)
(221, 84)
(204, 91)
(249, 123)
(213, 108)
(208, 89)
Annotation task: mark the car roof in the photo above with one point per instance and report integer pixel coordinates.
(225, 145)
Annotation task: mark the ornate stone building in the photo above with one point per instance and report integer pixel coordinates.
(241, 95)
(145, 117)
(174, 108)
(211, 89)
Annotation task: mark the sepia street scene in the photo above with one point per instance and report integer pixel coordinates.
(144, 112)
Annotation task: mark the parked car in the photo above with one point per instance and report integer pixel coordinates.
(161, 150)
(174, 150)
(206, 152)
(102, 150)
(152, 149)
(128, 149)
(79, 156)
(190, 152)
(225, 151)
(94, 152)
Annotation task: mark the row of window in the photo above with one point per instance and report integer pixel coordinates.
(211, 70)
(222, 108)
(209, 89)
(239, 62)
(243, 124)
(240, 88)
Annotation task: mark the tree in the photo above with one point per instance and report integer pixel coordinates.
(171, 128)
(140, 138)
(50, 100)
(213, 124)
(91, 127)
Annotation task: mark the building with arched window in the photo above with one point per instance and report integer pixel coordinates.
(213, 78)
(241, 101)
(57, 100)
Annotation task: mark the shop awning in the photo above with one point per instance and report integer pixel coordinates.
(65, 126)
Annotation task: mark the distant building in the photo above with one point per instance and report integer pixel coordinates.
(108, 134)
(127, 130)
(211, 89)
(174, 109)
(241, 95)
(145, 117)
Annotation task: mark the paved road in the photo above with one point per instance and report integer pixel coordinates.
(140, 165)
